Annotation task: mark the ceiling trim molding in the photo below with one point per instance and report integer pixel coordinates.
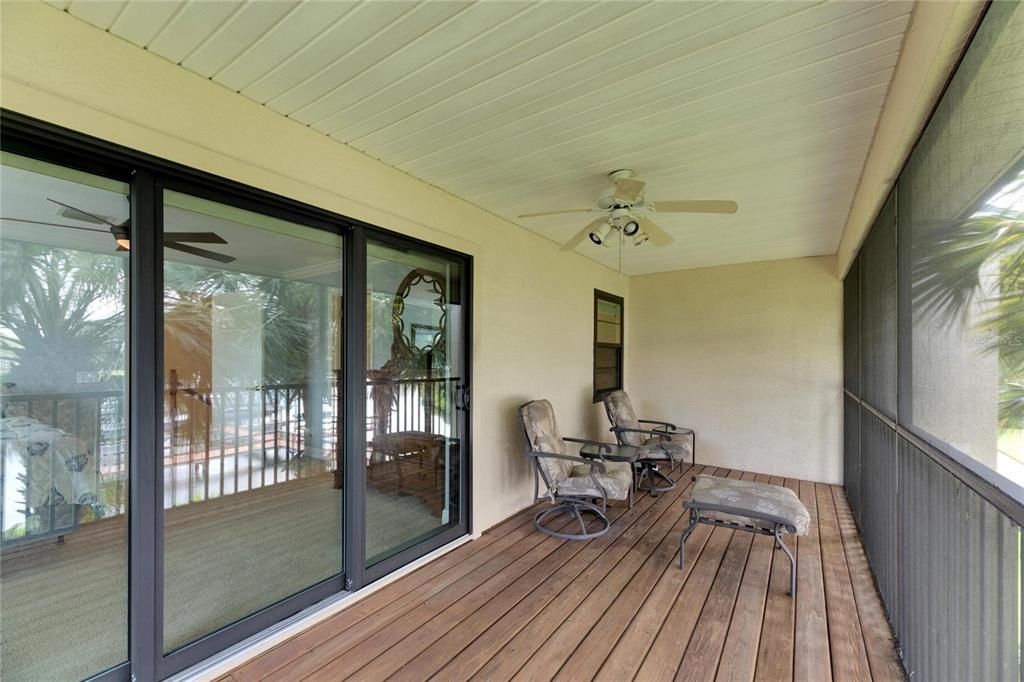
(936, 38)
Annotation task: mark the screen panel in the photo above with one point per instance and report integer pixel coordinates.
(878, 312)
(961, 201)
(851, 328)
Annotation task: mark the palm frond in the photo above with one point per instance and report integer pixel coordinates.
(1011, 405)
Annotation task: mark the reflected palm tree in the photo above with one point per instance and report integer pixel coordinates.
(972, 271)
(61, 314)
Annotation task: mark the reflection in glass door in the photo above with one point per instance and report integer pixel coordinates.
(63, 435)
(252, 375)
(414, 397)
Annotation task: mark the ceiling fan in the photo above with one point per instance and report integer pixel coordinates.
(626, 210)
(172, 240)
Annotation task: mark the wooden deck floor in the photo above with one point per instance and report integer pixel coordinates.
(516, 604)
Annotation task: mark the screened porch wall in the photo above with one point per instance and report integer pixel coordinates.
(932, 447)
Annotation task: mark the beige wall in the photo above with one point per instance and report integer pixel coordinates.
(532, 332)
(748, 355)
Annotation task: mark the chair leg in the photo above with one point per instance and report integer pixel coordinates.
(650, 470)
(792, 561)
(686, 534)
(579, 517)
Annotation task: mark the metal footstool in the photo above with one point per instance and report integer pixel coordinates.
(750, 506)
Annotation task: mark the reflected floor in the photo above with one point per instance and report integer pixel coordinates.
(61, 601)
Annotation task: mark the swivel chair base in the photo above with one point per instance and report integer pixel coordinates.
(649, 470)
(577, 509)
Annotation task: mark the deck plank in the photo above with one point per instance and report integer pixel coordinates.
(700, 662)
(814, 663)
(775, 647)
(666, 652)
(739, 657)
(509, 661)
(878, 637)
(629, 652)
(519, 603)
(344, 629)
(396, 597)
(434, 645)
(487, 632)
(846, 641)
(356, 647)
(586, 660)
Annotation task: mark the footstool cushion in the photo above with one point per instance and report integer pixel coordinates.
(762, 501)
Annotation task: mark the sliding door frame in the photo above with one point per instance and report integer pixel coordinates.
(149, 176)
(463, 524)
(223, 637)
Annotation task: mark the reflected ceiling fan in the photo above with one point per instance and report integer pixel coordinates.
(626, 210)
(179, 241)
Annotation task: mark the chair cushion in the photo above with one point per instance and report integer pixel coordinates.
(621, 414)
(616, 481)
(679, 448)
(542, 433)
(760, 498)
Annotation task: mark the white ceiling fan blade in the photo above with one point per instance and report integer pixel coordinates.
(571, 210)
(695, 206)
(628, 190)
(582, 234)
(658, 236)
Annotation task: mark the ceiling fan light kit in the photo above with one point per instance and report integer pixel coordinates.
(627, 209)
(600, 233)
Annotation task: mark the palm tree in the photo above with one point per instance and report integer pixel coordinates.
(977, 263)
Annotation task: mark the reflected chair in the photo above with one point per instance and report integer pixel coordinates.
(666, 442)
(575, 485)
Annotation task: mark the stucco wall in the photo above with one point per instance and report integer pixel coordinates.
(749, 356)
(532, 330)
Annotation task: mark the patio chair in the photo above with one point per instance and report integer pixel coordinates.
(666, 442)
(575, 484)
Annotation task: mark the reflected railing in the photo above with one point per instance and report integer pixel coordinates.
(216, 444)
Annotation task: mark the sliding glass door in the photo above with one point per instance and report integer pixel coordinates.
(63, 436)
(416, 391)
(218, 407)
(251, 431)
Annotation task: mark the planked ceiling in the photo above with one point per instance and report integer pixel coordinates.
(524, 107)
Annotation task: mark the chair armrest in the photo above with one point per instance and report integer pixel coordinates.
(665, 435)
(599, 466)
(668, 425)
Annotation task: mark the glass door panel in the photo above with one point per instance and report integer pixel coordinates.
(414, 393)
(252, 434)
(63, 434)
